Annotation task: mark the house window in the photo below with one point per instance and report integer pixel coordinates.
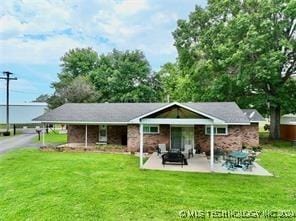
(221, 131)
(218, 130)
(103, 133)
(151, 129)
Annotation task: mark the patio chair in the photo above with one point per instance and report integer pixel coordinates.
(188, 149)
(198, 149)
(248, 163)
(230, 163)
(218, 154)
(161, 149)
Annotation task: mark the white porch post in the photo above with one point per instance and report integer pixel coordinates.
(85, 135)
(141, 145)
(43, 135)
(212, 147)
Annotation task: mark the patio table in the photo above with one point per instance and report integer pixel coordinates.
(239, 155)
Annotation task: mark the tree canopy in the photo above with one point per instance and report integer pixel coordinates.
(241, 51)
(123, 77)
(119, 76)
(79, 90)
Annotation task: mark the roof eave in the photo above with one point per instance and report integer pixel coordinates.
(123, 122)
(83, 122)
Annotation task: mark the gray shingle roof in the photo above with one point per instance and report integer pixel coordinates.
(124, 112)
(227, 111)
(253, 115)
(99, 112)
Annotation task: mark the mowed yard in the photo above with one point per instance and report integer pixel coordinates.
(37, 185)
(53, 137)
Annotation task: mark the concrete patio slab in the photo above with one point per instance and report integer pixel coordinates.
(256, 170)
(200, 163)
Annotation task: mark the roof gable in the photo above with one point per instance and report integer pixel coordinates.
(176, 111)
(204, 114)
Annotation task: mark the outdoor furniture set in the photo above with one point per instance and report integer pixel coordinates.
(243, 159)
(174, 156)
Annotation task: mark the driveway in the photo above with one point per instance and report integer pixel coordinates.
(13, 142)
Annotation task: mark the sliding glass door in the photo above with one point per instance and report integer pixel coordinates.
(176, 137)
(181, 136)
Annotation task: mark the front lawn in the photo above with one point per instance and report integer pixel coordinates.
(37, 185)
(53, 137)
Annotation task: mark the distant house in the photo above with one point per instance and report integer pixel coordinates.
(288, 127)
(253, 115)
(143, 126)
(22, 113)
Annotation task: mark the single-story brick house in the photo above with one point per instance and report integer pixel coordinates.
(142, 126)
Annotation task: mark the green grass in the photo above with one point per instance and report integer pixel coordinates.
(38, 185)
(53, 137)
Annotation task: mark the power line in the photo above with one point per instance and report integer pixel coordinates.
(22, 92)
(7, 77)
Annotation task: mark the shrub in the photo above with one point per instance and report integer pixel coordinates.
(266, 127)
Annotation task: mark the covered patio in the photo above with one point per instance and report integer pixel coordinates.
(200, 163)
(178, 116)
(228, 136)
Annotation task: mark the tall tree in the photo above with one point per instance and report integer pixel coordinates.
(124, 76)
(242, 51)
(80, 90)
(79, 61)
(75, 63)
(174, 84)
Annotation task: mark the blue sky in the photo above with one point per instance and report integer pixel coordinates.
(35, 34)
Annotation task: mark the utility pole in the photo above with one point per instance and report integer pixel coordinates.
(7, 77)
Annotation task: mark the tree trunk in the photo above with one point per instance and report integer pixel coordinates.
(275, 117)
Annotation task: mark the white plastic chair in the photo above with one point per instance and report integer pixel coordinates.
(188, 149)
(162, 148)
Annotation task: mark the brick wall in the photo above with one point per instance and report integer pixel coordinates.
(250, 135)
(150, 141)
(76, 134)
(133, 137)
(231, 141)
(117, 135)
(237, 137)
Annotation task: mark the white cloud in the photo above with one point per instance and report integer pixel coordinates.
(34, 32)
(36, 51)
(131, 7)
(116, 29)
(10, 26)
(162, 18)
(34, 18)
